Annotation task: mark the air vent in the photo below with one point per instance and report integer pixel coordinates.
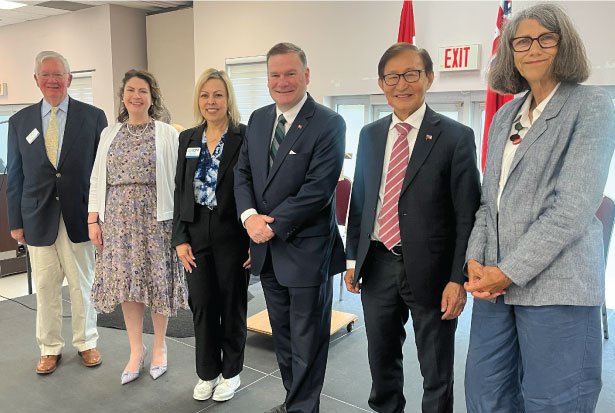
(65, 5)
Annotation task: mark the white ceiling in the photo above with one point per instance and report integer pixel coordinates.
(41, 9)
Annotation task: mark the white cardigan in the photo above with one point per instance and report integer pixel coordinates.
(166, 161)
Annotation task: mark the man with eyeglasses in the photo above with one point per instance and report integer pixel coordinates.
(51, 150)
(415, 191)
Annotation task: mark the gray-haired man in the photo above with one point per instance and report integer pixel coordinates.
(51, 150)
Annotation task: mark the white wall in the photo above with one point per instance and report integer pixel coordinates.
(594, 21)
(82, 37)
(344, 40)
(128, 45)
(170, 57)
(106, 39)
(449, 23)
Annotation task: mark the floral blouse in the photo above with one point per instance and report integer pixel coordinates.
(206, 175)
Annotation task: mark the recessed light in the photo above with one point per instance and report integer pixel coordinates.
(9, 5)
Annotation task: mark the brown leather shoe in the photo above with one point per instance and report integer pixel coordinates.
(48, 364)
(91, 357)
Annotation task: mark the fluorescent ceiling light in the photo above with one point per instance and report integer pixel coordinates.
(8, 5)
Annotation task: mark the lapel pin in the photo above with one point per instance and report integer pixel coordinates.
(299, 126)
(428, 137)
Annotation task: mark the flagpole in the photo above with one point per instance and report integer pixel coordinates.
(493, 100)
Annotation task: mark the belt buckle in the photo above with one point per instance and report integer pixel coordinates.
(211, 208)
(394, 252)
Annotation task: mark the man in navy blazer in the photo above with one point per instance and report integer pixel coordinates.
(411, 214)
(285, 182)
(51, 150)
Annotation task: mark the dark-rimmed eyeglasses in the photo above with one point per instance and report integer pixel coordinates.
(410, 76)
(545, 40)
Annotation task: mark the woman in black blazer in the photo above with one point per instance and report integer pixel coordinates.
(209, 240)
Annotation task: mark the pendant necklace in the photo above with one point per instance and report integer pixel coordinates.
(516, 138)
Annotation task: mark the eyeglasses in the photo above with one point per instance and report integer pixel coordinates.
(545, 40)
(410, 76)
(56, 76)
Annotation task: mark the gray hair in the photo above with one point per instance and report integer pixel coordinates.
(285, 48)
(569, 65)
(48, 54)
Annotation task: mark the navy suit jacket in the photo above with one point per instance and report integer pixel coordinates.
(298, 192)
(37, 192)
(438, 200)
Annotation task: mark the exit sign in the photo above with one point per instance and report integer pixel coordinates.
(454, 58)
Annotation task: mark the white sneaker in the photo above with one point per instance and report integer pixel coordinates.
(205, 388)
(226, 389)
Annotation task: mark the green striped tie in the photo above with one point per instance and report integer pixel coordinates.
(277, 138)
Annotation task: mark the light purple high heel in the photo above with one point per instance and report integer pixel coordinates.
(157, 370)
(128, 376)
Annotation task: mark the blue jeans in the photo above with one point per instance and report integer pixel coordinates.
(533, 359)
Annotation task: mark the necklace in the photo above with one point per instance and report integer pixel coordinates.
(516, 138)
(135, 134)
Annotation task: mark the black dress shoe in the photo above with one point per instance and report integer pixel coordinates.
(278, 409)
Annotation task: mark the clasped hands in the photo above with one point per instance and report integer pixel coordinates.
(486, 282)
(258, 228)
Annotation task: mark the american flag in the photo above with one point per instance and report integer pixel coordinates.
(494, 101)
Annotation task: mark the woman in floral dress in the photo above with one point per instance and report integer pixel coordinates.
(130, 221)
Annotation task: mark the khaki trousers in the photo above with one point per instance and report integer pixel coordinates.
(50, 265)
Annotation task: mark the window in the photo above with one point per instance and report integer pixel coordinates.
(355, 112)
(249, 77)
(81, 87)
(6, 111)
(478, 124)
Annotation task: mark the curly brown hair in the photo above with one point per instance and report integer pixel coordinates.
(157, 109)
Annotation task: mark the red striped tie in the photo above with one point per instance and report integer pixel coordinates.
(388, 219)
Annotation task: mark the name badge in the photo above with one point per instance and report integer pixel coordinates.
(193, 152)
(32, 136)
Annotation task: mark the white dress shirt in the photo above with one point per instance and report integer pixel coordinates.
(415, 120)
(510, 149)
(290, 115)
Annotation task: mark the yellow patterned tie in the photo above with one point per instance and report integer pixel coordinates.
(51, 137)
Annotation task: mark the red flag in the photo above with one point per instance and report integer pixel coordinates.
(406, 23)
(494, 101)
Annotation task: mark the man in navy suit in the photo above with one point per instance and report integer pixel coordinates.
(51, 150)
(414, 195)
(285, 181)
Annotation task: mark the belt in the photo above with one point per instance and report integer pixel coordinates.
(207, 208)
(396, 250)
